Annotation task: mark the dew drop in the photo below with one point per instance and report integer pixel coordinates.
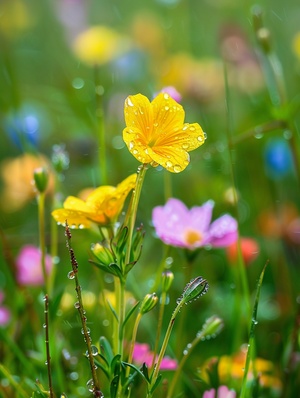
(177, 168)
(135, 151)
(185, 352)
(131, 144)
(166, 96)
(90, 385)
(185, 146)
(167, 108)
(44, 326)
(71, 275)
(77, 304)
(129, 102)
(192, 128)
(46, 363)
(94, 350)
(169, 164)
(200, 138)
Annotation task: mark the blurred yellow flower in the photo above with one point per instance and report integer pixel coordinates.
(156, 132)
(17, 176)
(102, 205)
(99, 44)
(231, 370)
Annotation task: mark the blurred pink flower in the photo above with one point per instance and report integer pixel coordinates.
(172, 93)
(223, 392)
(29, 266)
(176, 225)
(142, 354)
(4, 312)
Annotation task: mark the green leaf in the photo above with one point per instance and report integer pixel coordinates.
(130, 312)
(137, 370)
(105, 347)
(156, 384)
(113, 310)
(114, 386)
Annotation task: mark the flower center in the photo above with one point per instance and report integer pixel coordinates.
(191, 236)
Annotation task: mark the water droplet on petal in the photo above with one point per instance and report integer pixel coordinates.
(166, 96)
(185, 146)
(169, 164)
(177, 168)
(200, 138)
(192, 128)
(167, 108)
(129, 102)
(131, 144)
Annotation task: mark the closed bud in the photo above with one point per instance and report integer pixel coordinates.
(212, 327)
(193, 290)
(167, 279)
(103, 254)
(149, 302)
(41, 177)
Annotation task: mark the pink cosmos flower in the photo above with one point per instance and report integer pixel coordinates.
(142, 354)
(176, 225)
(223, 392)
(29, 266)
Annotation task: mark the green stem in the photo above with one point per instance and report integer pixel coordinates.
(133, 208)
(163, 349)
(163, 299)
(167, 185)
(121, 316)
(251, 344)
(133, 339)
(178, 372)
(41, 215)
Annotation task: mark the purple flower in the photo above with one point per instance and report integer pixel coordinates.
(223, 392)
(29, 266)
(142, 354)
(176, 225)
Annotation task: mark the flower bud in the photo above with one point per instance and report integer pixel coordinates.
(60, 158)
(193, 290)
(41, 177)
(211, 328)
(167, 279)
(103, 254)
(149, 302)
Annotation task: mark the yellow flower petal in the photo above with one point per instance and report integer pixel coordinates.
(102, 206)
(156, 132)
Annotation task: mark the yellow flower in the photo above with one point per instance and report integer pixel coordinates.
(98, 45)
(156, 132)
(102, 206)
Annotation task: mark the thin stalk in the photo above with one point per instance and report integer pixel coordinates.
(163, 299)
(94, 386)
(250, 352)
(167, 185)
(133, 339)
(132, 211)
(161, 268)
(41, 216)
(186, 355)
(163, 349)
(48, 361)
